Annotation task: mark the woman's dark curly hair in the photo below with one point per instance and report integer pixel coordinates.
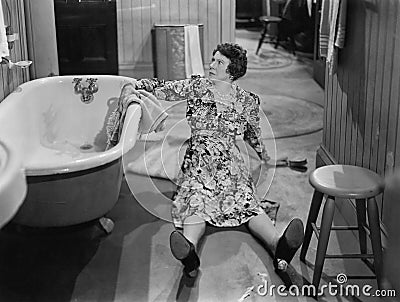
(237, 55)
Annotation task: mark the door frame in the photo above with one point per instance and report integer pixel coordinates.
(319, 63)
(41, 38)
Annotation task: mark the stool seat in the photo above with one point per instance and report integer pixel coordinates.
(345, 181)
(270, 19)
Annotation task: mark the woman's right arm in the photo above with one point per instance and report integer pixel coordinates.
(171, 91)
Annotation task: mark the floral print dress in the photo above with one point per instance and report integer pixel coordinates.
(214, 183)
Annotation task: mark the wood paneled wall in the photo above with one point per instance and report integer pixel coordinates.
(361, 125)
(137, 17)
(13, 11)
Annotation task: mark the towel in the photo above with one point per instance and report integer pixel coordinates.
(193, 60)
(341, 24)
(163, 159)
(153, 115)
(309, 7)
(332, 30)
(324, 27)
(4, 51)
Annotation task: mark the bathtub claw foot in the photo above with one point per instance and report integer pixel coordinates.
(107, 224)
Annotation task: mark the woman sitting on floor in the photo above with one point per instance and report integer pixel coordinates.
(215, 185)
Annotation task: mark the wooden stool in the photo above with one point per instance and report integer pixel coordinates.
(266, 20)
(348, 182)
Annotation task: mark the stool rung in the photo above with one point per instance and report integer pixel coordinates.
(344, 228)
(268, 40)
(316, 229)
(349, 256)
(341, 228)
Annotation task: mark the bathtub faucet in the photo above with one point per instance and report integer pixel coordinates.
(85, 92)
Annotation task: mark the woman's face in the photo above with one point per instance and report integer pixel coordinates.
(218, 67)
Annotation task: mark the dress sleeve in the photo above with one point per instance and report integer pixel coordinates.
(252, 133)
(170, 91)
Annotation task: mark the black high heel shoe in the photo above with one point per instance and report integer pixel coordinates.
(183, 250)
(288, 244)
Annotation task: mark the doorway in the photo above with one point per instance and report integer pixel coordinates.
(318, 62)
(86, 36)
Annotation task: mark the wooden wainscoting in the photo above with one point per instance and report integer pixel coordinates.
(137, 17)
(361, 124)
(14, 15)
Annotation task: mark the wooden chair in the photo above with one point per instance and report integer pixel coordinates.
(267, 20)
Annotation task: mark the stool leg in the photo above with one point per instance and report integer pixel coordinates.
(361, 221)
(373, 219)
(326, 223)
(277, 41)
(312, 218)
(292, 45)
(278, 36)
(264, 32)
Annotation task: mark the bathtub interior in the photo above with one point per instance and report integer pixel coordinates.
(55, 131)
(66, 123)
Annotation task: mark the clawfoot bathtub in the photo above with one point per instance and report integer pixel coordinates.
(61, 139)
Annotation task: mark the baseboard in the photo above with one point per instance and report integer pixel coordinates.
(140, 70)
(324, 158)
(346, 207)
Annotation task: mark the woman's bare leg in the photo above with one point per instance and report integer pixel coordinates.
(262, 227)
(193, 229)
